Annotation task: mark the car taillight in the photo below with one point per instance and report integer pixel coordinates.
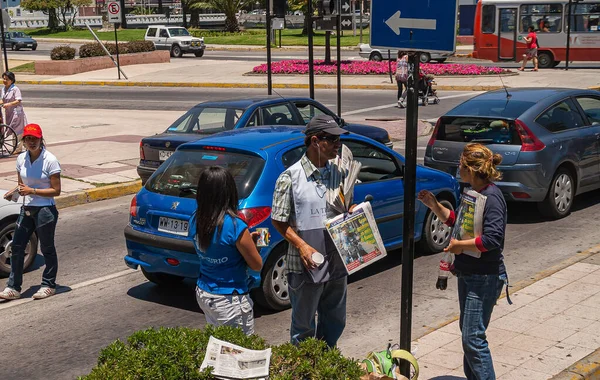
(520, 195)
(218, 148)
(435, 130)
(142, 155)
(133, 210)
(254, 216)
(529, 142)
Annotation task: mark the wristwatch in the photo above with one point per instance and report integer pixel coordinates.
(34, 191)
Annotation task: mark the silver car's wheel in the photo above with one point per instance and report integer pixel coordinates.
(559, 199)
(6, 236)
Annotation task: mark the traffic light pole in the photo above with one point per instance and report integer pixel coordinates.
(311, 53)
(269, 66)
(339, 58)
(408, 226)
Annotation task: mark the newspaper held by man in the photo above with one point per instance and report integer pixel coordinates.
(340, 198)
(230, 361)
(356, 237)
(469, 219)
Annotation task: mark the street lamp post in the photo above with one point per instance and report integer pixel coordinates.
(569, 16)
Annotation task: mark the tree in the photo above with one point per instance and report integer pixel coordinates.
(229, 7)
(57, 11)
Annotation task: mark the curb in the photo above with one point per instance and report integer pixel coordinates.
(247, 85)
(98, 194)
(587, 368)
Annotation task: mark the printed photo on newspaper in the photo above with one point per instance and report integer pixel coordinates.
(230, 361)
(356, 237)
(469, 219)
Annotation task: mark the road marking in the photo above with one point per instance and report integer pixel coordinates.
(396, 104)
(8, 304)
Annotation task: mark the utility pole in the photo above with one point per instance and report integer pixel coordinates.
(311, 53)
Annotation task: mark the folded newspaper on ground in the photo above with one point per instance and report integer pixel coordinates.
(356, 237)
(234, 362)
(469, 219)
(340, 198)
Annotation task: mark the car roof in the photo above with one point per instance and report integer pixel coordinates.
(246, 102)
(532, 93)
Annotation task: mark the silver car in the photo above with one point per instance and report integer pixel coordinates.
(371, 54)
(549, 139)
(9, 213)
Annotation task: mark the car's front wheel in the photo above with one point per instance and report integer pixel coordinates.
(7, 232)
(34, 47)
(176, 51)
(424, 57)
(162, 279)
(199, 53)
(560, 195)
(273, 293)
(436, 234)
(545, 60)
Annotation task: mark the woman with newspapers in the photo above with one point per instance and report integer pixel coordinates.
(478, 263)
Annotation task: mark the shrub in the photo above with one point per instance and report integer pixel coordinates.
(61, 53)
(140, 46)
(177, 353)
(95, 50)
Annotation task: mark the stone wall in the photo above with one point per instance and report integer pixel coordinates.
(81, 65)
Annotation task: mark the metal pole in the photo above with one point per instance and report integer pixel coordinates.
(408, 227)
(361, 21)
(280, 38)
(269, 72)
(390, 66)
(105, 50)
(117, 49)
(568, 34)
(339, 58)
(311, 53)
(124, 18)
(3, 40)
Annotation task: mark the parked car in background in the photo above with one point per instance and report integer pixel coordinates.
(176, 39)
(549, 139)
(159, 235)
(217, 116)
(366, 51)
(19, 40)
(9, 212)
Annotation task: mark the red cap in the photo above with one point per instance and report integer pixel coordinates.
(33, 130)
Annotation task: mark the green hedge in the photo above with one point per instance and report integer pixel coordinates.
(62, 52)
(177, 353)
(95, 50)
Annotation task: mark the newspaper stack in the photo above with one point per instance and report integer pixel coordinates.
(469, 220)
(340, 198)
(230, 361)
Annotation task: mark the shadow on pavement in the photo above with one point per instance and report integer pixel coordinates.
(448, 377)
(180, 296)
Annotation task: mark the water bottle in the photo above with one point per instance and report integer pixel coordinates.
(446, 265)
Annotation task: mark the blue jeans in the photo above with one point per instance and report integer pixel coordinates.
(42, 220)
(327, 299)
(477, 295)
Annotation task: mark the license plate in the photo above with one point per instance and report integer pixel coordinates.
(164, 154)
(173, 226)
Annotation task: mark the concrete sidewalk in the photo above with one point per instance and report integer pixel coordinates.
(552, 330)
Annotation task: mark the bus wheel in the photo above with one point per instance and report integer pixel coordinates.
(545, 60)
(555, 63)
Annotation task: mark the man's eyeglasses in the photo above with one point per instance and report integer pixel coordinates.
(331, 139)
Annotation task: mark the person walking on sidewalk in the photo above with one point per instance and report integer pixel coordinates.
(402, 77)
(13, 110)
(226, 250)
(38, 173)
(298, 214)
(531, 52)
(480, 280)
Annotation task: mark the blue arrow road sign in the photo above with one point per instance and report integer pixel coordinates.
(414, 25)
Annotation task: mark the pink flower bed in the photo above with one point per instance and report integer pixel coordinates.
(372, 67)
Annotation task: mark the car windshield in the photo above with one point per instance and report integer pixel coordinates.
(504, 108)
(206, 120)
(178, 176)
(20, 35)
(178, 32)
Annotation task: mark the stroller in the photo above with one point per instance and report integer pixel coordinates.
(426, 91)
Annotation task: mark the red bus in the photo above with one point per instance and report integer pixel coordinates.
(501, 26)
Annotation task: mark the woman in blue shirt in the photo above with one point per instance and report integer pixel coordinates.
(226, 251)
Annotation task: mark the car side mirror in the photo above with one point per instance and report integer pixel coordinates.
(368, 198)
(342, 122)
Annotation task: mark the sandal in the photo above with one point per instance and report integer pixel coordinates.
(520, 69)
(535, 69)
(44, 292)
(10, 294)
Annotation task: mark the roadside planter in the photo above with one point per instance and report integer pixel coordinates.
(82, 65)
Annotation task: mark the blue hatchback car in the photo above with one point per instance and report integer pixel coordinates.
(160, 232)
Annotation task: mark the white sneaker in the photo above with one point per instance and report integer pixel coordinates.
(44, 292)
(401, 104)
(10, 294)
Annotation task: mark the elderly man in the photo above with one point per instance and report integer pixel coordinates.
(316, 275)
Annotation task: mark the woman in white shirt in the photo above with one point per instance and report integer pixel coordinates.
(38, 172)
(11, 102)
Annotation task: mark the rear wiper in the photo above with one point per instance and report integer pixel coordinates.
(187, 189)
(482, 140)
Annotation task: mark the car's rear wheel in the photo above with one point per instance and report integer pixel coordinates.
(376, 56)
(560, 195)
(273, 293)
(199, 53)
(176, 51)
(6, 235)
(162, 279)
(436, 234)
(545, 60)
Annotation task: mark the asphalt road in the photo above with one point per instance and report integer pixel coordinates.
(100, 300)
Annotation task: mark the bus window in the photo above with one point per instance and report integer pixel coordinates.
(585, 18)
(545, 18)
(488, 18)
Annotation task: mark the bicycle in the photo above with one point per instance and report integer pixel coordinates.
(8, 139)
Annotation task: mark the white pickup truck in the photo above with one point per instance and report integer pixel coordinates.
(175, 39)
